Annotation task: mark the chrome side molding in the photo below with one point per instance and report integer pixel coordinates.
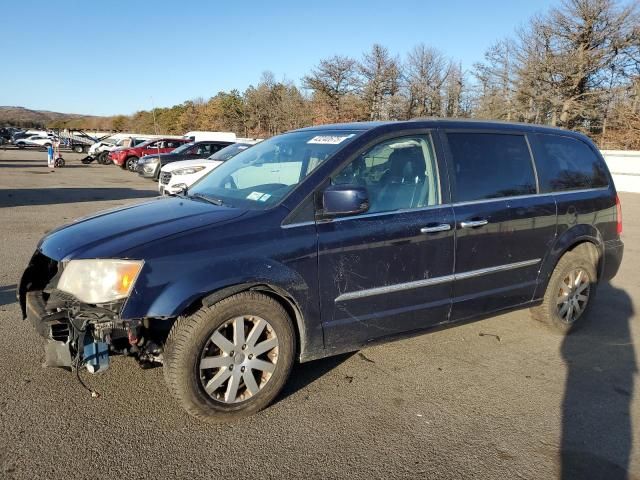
(433, 281)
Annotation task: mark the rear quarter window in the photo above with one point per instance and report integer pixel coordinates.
(566, 163)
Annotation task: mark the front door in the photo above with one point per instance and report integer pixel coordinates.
(390, 270)
(503, 227)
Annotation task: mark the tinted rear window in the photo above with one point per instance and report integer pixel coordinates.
(567, 163)
(488, 165)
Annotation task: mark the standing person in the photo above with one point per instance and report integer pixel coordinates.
(50, 160)
(56, 150)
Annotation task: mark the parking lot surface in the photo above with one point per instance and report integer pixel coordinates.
(500, 398)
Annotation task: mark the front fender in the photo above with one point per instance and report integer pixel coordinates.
(151, 298)
(169, 300)
(564, 242)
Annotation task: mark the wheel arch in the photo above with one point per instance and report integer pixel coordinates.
(277, 293)
(579, 237)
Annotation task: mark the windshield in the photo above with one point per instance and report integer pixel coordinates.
(183, 148)
(227, 152)
(145, 143)
(259, 177)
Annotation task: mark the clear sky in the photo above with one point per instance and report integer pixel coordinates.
(109, 57)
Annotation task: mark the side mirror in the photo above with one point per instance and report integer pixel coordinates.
(344, 200)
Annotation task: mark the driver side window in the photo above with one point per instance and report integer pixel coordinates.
(398, 174)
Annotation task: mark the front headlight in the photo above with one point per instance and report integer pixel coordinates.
(99, 281)
(187, 170)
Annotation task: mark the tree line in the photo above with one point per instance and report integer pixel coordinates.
(576, 66)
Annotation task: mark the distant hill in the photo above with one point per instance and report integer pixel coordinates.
(21, 116)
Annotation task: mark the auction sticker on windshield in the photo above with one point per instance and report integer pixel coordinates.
(330, 139)
(254, 195)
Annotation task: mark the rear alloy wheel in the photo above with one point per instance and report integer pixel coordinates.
(569, 293)
(232, 359)
(573, 295)
(78, 148)
(132, 164)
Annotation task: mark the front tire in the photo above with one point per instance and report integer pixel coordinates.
(103, 158)
(78, 148)
(131, 164)
(570, 293)
(230, 360)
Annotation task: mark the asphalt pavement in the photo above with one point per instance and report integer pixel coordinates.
(496, 399)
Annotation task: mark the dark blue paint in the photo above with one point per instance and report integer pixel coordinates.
(192, 249)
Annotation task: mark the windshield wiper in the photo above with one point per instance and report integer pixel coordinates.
(214, 201)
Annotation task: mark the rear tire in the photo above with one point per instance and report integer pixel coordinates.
(217, 374)
(570, 293)
(78, 148)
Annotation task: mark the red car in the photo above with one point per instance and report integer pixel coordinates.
(128, 157)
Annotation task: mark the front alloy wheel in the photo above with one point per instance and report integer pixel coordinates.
(231, 359)
(239, 359)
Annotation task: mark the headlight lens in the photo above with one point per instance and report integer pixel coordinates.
(187, 170)
(99, 281)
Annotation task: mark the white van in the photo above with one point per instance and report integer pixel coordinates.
(199, 136)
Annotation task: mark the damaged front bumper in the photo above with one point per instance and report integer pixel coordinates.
(79, 334)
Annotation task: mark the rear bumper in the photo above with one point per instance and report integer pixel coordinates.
(117, 160)
(613, 251)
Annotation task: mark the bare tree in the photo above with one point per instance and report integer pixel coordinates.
(496, 78)
(425, 73)
(455, 90)
(333, 79)
(381, 75)
(581, 57)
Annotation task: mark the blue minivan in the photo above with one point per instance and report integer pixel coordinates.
(325, 240)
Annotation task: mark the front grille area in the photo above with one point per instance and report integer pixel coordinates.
(60, 332)
(165, 178)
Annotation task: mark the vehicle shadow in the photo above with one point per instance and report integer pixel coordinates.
(52, 196)
(304, 374)
(597, 437)
(7, 294)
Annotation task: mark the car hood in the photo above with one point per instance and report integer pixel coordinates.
(109, 233)
(190, 163)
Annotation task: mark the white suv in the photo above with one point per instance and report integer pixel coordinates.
(175, 177)
(35, 141)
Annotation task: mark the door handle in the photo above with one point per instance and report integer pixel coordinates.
(443, 227)
(473, 223)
